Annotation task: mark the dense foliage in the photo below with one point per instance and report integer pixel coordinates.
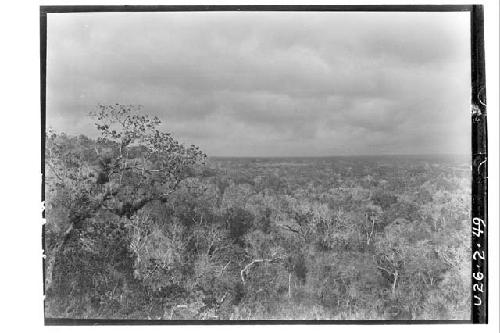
(140, 226)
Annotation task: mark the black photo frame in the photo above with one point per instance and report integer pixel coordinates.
(479, 219)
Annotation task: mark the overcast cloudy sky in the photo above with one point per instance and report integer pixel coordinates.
(276, 83)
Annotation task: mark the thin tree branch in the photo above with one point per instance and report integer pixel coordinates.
(382, 268)
(286, 227)
(244, 271)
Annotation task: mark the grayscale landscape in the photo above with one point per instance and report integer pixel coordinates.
(258, 166)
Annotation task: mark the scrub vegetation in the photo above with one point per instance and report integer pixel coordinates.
(140, 226)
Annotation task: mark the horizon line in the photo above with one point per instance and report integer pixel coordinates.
(346, 155)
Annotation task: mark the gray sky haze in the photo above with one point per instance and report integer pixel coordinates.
(270, 83)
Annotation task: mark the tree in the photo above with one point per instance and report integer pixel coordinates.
(239, 222)
(384, 199)
(131, 164)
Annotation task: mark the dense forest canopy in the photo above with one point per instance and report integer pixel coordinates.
(141, 226)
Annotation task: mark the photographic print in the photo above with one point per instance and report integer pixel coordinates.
(254, 165)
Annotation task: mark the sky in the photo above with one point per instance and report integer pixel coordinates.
(270, 83)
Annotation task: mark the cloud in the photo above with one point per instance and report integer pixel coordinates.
(272, 83)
